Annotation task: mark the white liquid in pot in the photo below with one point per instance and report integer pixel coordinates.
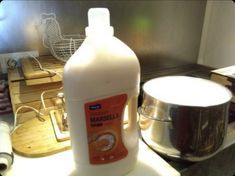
(189, 91)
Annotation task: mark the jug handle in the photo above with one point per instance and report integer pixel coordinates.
(132, 114)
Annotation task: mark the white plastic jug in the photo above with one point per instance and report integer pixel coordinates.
(101, 81)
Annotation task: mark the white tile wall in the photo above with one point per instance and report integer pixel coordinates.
(217, 47)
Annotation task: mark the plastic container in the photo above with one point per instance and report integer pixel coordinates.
(101, 82)
(6, 155)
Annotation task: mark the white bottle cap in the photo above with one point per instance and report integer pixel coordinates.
(99, 22)
(98, 17)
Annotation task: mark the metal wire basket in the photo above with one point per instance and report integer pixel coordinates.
(60, 46)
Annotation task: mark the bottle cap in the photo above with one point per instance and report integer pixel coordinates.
(99, 21)
(98, 17)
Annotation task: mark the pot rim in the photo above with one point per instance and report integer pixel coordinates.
(170, 101)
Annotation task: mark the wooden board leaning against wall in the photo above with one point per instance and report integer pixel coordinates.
(26, 91)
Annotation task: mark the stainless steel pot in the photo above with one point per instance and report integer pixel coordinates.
(184, 117)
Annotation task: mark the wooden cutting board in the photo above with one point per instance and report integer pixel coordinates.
(36, 138)
(31, 69)
(35, 76)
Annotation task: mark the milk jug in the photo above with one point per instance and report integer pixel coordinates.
(101, 86)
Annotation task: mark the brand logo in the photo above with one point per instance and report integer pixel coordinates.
(95, 107)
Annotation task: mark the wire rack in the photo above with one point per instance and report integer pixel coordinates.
(60, 46)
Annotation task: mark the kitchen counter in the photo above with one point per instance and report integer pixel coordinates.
(149, 163)
(62, 164)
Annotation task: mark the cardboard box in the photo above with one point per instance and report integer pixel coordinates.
(226, 77)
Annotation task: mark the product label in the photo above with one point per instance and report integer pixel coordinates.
(104, 126)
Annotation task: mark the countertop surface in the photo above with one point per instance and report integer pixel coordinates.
(149, 163)
(62, 164)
